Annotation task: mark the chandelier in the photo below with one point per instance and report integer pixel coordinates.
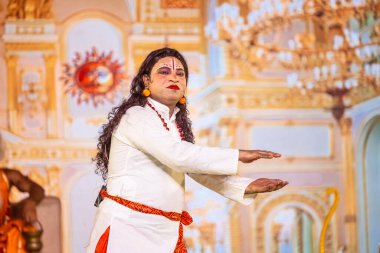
(326, 46)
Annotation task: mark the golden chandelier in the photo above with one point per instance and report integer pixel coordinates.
(328, 46)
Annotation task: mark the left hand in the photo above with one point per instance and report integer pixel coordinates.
(265, 185)
(28, 210)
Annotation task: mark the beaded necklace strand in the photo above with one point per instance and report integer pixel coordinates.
(164, 123)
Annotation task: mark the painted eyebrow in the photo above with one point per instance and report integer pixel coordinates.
(164, 67)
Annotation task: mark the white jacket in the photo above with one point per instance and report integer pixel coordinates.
(147, 164)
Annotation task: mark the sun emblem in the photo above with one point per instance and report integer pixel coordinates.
(93, 77)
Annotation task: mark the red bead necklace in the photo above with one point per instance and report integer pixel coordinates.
(164, 123)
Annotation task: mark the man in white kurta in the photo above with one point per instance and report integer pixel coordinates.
(147, 164)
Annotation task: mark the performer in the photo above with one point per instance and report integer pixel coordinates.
(145, 151)
(14, 217)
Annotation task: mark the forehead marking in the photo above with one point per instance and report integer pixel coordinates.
(170, 64)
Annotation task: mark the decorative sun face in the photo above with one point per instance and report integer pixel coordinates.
(94, 77)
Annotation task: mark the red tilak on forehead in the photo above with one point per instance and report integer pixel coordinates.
(169, 64)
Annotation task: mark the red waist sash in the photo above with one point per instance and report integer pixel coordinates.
(184, 218)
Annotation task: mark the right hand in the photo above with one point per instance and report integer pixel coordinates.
(248, 156)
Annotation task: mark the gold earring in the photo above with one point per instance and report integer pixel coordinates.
(146, 92)
(182, 100)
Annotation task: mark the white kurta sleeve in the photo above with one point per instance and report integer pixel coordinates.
(232, 187)
(145, 132)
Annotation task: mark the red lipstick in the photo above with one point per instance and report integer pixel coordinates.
(173, 87)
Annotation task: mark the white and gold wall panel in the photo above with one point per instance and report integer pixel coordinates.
(297, 141)
(82, 121)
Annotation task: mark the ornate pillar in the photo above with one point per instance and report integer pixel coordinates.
(228, 73)
(207, 236)
(228, 128)
(52, 129)
(11, 61)
(349, 186)
(235, 231)
(299, 231)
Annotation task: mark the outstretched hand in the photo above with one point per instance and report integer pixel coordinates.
(265, 185)
(248, 156)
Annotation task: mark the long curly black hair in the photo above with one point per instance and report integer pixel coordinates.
(137, 99)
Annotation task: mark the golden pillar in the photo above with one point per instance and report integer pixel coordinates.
(11, 61)
(228, 61)
(299, 231)
(235, 231)
(52, 129)
(229, 128)
(349, 186)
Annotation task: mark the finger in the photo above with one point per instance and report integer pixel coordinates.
(265, 155)
(273, 188)
(266, 185)
(276, 184)
(274, 154)
(278, 187)
(281, 185)
(264, 152)
(278, 180)
(281, 182)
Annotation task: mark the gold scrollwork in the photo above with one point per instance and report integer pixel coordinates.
(326, 222)
(180, 4)
(29, 9)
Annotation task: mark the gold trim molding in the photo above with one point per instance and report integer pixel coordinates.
(180, 3)
(250, 97)
(20, 46)
(19, 152)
